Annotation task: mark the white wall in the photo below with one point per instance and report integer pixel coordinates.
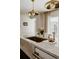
(27, 30)
(33, 24)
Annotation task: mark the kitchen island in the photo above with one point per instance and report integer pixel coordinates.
(44, 49)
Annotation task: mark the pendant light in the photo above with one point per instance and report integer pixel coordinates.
(33, 12)
(52, 4)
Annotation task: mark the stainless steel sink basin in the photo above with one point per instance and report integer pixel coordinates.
(36, 39)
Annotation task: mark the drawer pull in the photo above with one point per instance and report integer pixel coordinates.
(36, 55)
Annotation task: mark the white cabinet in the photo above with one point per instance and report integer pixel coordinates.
(44, 55)
(27, 48)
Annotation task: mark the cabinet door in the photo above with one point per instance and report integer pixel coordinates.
(44, 55)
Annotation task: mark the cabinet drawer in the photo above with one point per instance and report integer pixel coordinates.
(44, 55)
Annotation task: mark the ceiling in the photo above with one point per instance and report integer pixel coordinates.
(26, 5)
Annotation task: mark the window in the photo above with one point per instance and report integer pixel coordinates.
(53, 25)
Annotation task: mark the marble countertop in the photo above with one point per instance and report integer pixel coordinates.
(50, 47)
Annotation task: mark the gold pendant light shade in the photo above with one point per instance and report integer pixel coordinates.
(52, 4)
(49, 5)
(33, 13)
(32, 0)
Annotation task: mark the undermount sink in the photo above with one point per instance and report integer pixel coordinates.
(36, 39)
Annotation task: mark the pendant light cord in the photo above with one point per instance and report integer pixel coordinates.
(33, 3)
